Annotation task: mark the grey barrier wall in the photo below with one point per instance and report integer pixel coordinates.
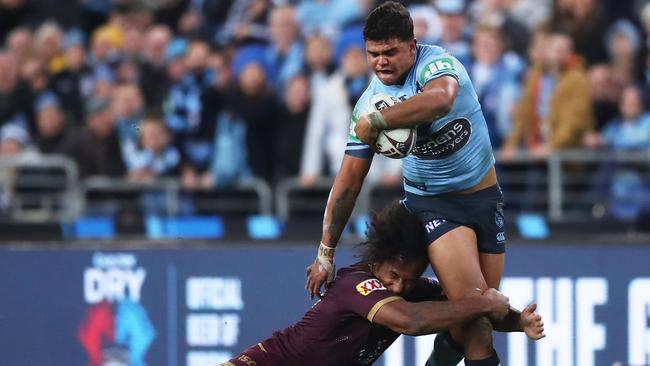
(93, 304)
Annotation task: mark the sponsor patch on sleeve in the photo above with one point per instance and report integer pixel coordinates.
(366, 287)
(436, 66)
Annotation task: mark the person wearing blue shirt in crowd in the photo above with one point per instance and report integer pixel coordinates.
(455, 36)
(449, 177)
(496, 75)
(284, 55)
(620, 185)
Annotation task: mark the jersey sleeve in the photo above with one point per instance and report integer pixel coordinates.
(363, 294)
(436, 65)
(354, 146)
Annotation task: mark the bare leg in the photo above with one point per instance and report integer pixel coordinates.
(457, 264)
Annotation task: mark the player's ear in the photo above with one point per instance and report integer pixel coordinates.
(413, 46)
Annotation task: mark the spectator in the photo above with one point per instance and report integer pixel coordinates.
(127, 108)
(628, 131)
(319, 63)
(285, 53)
(256, 105)
(14, 95)
(555, 110)
(328, 122)
(69, 82)
(158, 157)
(606, 89)
(623, 45)
(619, 188)
(426, 23)
(190, 112)
(100, 149)
(14, 140)
(454, 35)
(496, 78)
(105, 45)
(19, 43)
(153, 65)
(54, 133)
(496, 13)
(586, 23)
(47, 44)
(290, 128)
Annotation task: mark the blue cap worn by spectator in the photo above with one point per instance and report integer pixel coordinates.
(247, 55)
(175, 49)
(623, 27)
(45, 100)
(15, 132)
(350, 37)
(73, 38)
(450, 7)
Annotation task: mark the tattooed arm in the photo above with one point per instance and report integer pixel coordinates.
(340, 203)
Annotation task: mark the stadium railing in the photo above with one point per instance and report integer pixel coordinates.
(39, 188)
(569, 185)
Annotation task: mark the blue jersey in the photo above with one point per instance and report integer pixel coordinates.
(452, 153)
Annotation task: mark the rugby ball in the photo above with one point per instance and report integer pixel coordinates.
(396, 143)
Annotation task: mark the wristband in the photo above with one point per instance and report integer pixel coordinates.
(377, 121)
(326, 252)
(326, 260)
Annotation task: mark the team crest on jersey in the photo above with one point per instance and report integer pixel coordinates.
(366, 287)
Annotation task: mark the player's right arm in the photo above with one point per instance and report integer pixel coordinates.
(347, 185)
(346, 188)
(427, 317)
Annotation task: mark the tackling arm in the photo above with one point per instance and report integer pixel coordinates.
(427, 317)
(527, 321)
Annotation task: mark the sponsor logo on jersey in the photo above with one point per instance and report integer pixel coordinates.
(436, 66)
(366, 287)
(446, 141)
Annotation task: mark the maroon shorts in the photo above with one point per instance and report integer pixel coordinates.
(253, 356)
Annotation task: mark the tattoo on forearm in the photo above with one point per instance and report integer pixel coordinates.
(340, 213)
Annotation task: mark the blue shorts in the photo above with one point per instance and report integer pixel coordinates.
(481, 211)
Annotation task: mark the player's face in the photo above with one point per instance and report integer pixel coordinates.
(399, 276)
(391, 60)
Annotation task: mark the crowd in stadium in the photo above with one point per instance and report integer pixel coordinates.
(213, 91)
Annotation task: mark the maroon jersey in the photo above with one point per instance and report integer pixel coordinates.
(338, 330)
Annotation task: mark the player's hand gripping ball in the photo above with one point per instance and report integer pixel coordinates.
(395, 143)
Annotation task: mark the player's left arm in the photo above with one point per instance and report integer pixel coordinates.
(527, 321)
(434, 102)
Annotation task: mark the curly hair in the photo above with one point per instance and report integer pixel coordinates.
(394, 233)
(387, 21)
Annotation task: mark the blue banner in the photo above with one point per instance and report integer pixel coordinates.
(198, 307)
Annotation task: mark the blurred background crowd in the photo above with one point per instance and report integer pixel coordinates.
(217, 91)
